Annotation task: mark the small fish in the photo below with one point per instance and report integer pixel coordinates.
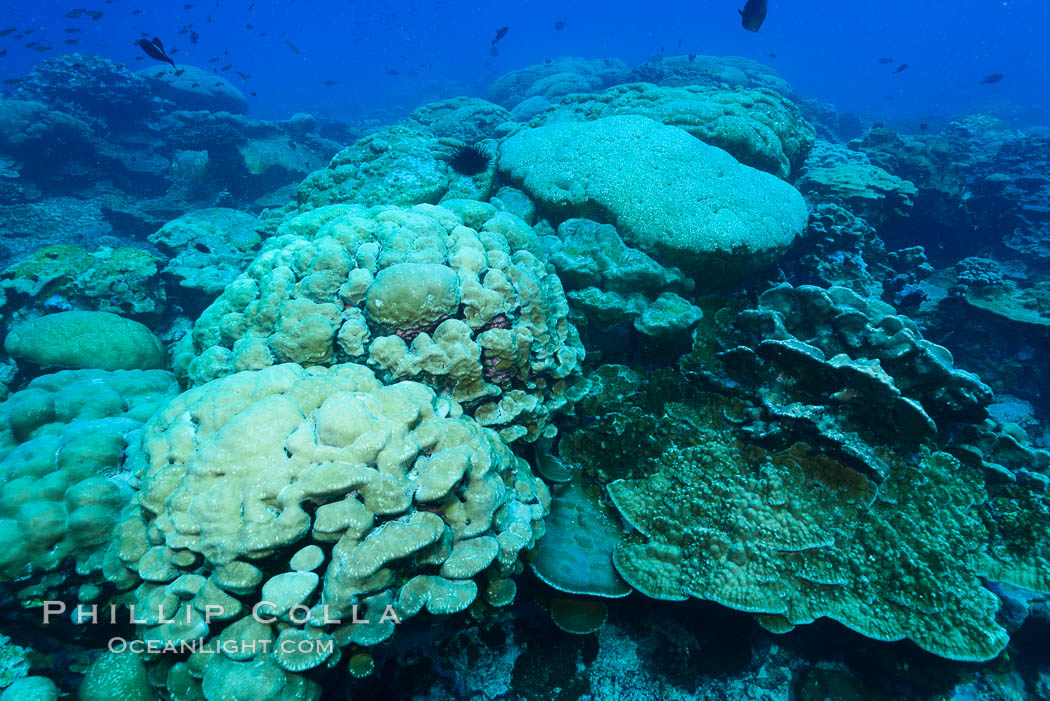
(31, 44)
(249, 26)
(95, 15)
(180, 71)
(244, 76)
(251, 7)
(3, 52)
(187, 6)
(293, 47)
(42, 48)
(28, 32)
(71, 30)
(923, 126)
(173, 52)
(136, 12)
(194, 37)
(901, 68)
(500, 33)
(9, 30)
(692, 57)
(140, 58)
(772, 55)
(253, 93)
(885, 60)
(559, 25)
(195, 85)
(393, 71)
(753, 15)
(155, 50)
(330, 83)
(73, 14)
(219, 84)
(70, 42)
(992, 79)
(227, 67)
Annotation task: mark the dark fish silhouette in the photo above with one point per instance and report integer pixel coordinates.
(924, 126)
(330, 83)
(136, 12)
(249, 26)
(95, 15)
(772, 55)
(9, 30)
(71, 30)
(194, 37)
(70, 42)
(155, 50)
(901, 68)
(3, 52)
(559, 25)
(500, 33)
(992, 79)
(244, 76)
(885, 60)
(753, 14)
(692, 57)
(293, 47)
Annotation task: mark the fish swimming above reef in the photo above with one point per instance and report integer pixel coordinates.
(500, 33)
(155, 50)
(753, 14)
(992, 79)
(901, 68)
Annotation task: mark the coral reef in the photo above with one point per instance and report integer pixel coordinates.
(529, 90)
(63, 442)
(735, 222)
(410, 501)
(416, 295)
(759, 127)
(79, 339)
(734, 71)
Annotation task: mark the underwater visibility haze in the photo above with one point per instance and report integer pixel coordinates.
(540, 351)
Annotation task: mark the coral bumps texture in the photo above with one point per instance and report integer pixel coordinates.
(414, 294)
(244, 478)
(676, 198)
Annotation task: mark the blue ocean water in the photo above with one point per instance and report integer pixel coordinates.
(826, 50)
(522, 352)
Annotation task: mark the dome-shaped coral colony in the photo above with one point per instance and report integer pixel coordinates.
(589, 333)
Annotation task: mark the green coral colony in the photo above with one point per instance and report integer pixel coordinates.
(409, 389)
